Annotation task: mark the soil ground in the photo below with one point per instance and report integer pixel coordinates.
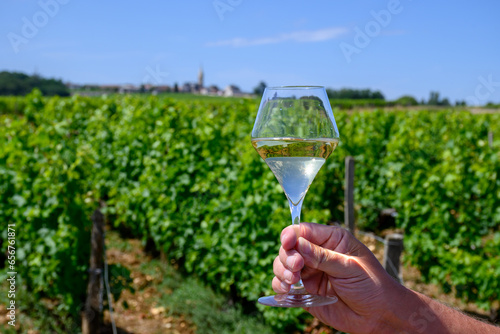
(136, 312)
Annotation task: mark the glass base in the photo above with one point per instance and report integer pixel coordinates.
(297, 298)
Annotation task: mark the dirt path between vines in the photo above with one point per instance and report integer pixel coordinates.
(136, 312)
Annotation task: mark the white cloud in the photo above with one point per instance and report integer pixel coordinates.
(296, 36)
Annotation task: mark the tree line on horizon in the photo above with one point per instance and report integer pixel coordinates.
(368, 94)
(18, 84)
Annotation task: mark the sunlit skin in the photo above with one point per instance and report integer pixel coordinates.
(353, 265)
(332, 262)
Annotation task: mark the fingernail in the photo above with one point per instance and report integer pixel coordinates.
(290, 262)
(287, 275)
(285, 286)
(304, 247)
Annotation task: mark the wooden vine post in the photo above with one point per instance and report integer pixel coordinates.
(93, 305)
(392, 254)
(349, 194)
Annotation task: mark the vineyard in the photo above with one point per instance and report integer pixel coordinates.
(182, 174)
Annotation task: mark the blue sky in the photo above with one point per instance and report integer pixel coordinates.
(397, 47)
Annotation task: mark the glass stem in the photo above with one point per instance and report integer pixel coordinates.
(295, 210)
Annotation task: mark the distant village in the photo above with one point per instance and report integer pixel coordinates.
(188, 87)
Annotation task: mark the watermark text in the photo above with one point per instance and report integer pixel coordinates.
(31, 26)
(11, 262)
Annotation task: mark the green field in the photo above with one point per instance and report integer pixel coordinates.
(181, 173)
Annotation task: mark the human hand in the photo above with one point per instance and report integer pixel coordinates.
(331, 261)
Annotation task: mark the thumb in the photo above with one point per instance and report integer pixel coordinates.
(332, 263)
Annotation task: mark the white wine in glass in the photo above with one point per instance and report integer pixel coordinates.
(294, 133)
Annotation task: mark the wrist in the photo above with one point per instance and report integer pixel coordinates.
(397, 312)
(410, 312)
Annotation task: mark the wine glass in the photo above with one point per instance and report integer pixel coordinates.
(294, 133)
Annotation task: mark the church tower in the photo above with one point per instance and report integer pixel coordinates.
(200, 77)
